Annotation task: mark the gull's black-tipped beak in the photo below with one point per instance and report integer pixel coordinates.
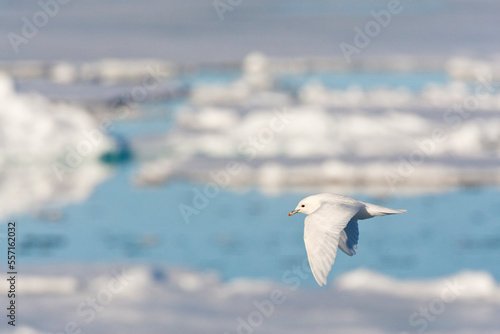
(292, 212)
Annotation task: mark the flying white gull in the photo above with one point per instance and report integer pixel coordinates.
(332, 223)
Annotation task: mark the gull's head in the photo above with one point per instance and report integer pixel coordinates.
(307, 206)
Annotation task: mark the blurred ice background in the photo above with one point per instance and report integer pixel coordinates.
(150, 153)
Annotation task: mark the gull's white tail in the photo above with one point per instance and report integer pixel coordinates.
(375, 210)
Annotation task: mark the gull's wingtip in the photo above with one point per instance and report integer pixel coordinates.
(320, 282)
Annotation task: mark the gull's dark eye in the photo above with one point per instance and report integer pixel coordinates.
(303, 205)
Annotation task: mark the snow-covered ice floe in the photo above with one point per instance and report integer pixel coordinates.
(132, 299)
(380, 139)
(118, 70)
(309, 136)
(48, 151)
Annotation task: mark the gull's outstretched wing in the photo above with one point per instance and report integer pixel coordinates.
(322, 232)
(349, 237)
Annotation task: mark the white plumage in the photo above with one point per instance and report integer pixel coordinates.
(332, 223)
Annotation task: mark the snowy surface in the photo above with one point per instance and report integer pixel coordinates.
(141, 299)
(440, 135)
(48, 151)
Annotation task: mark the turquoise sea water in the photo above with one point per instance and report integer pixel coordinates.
(249, 234)
(412, 81)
